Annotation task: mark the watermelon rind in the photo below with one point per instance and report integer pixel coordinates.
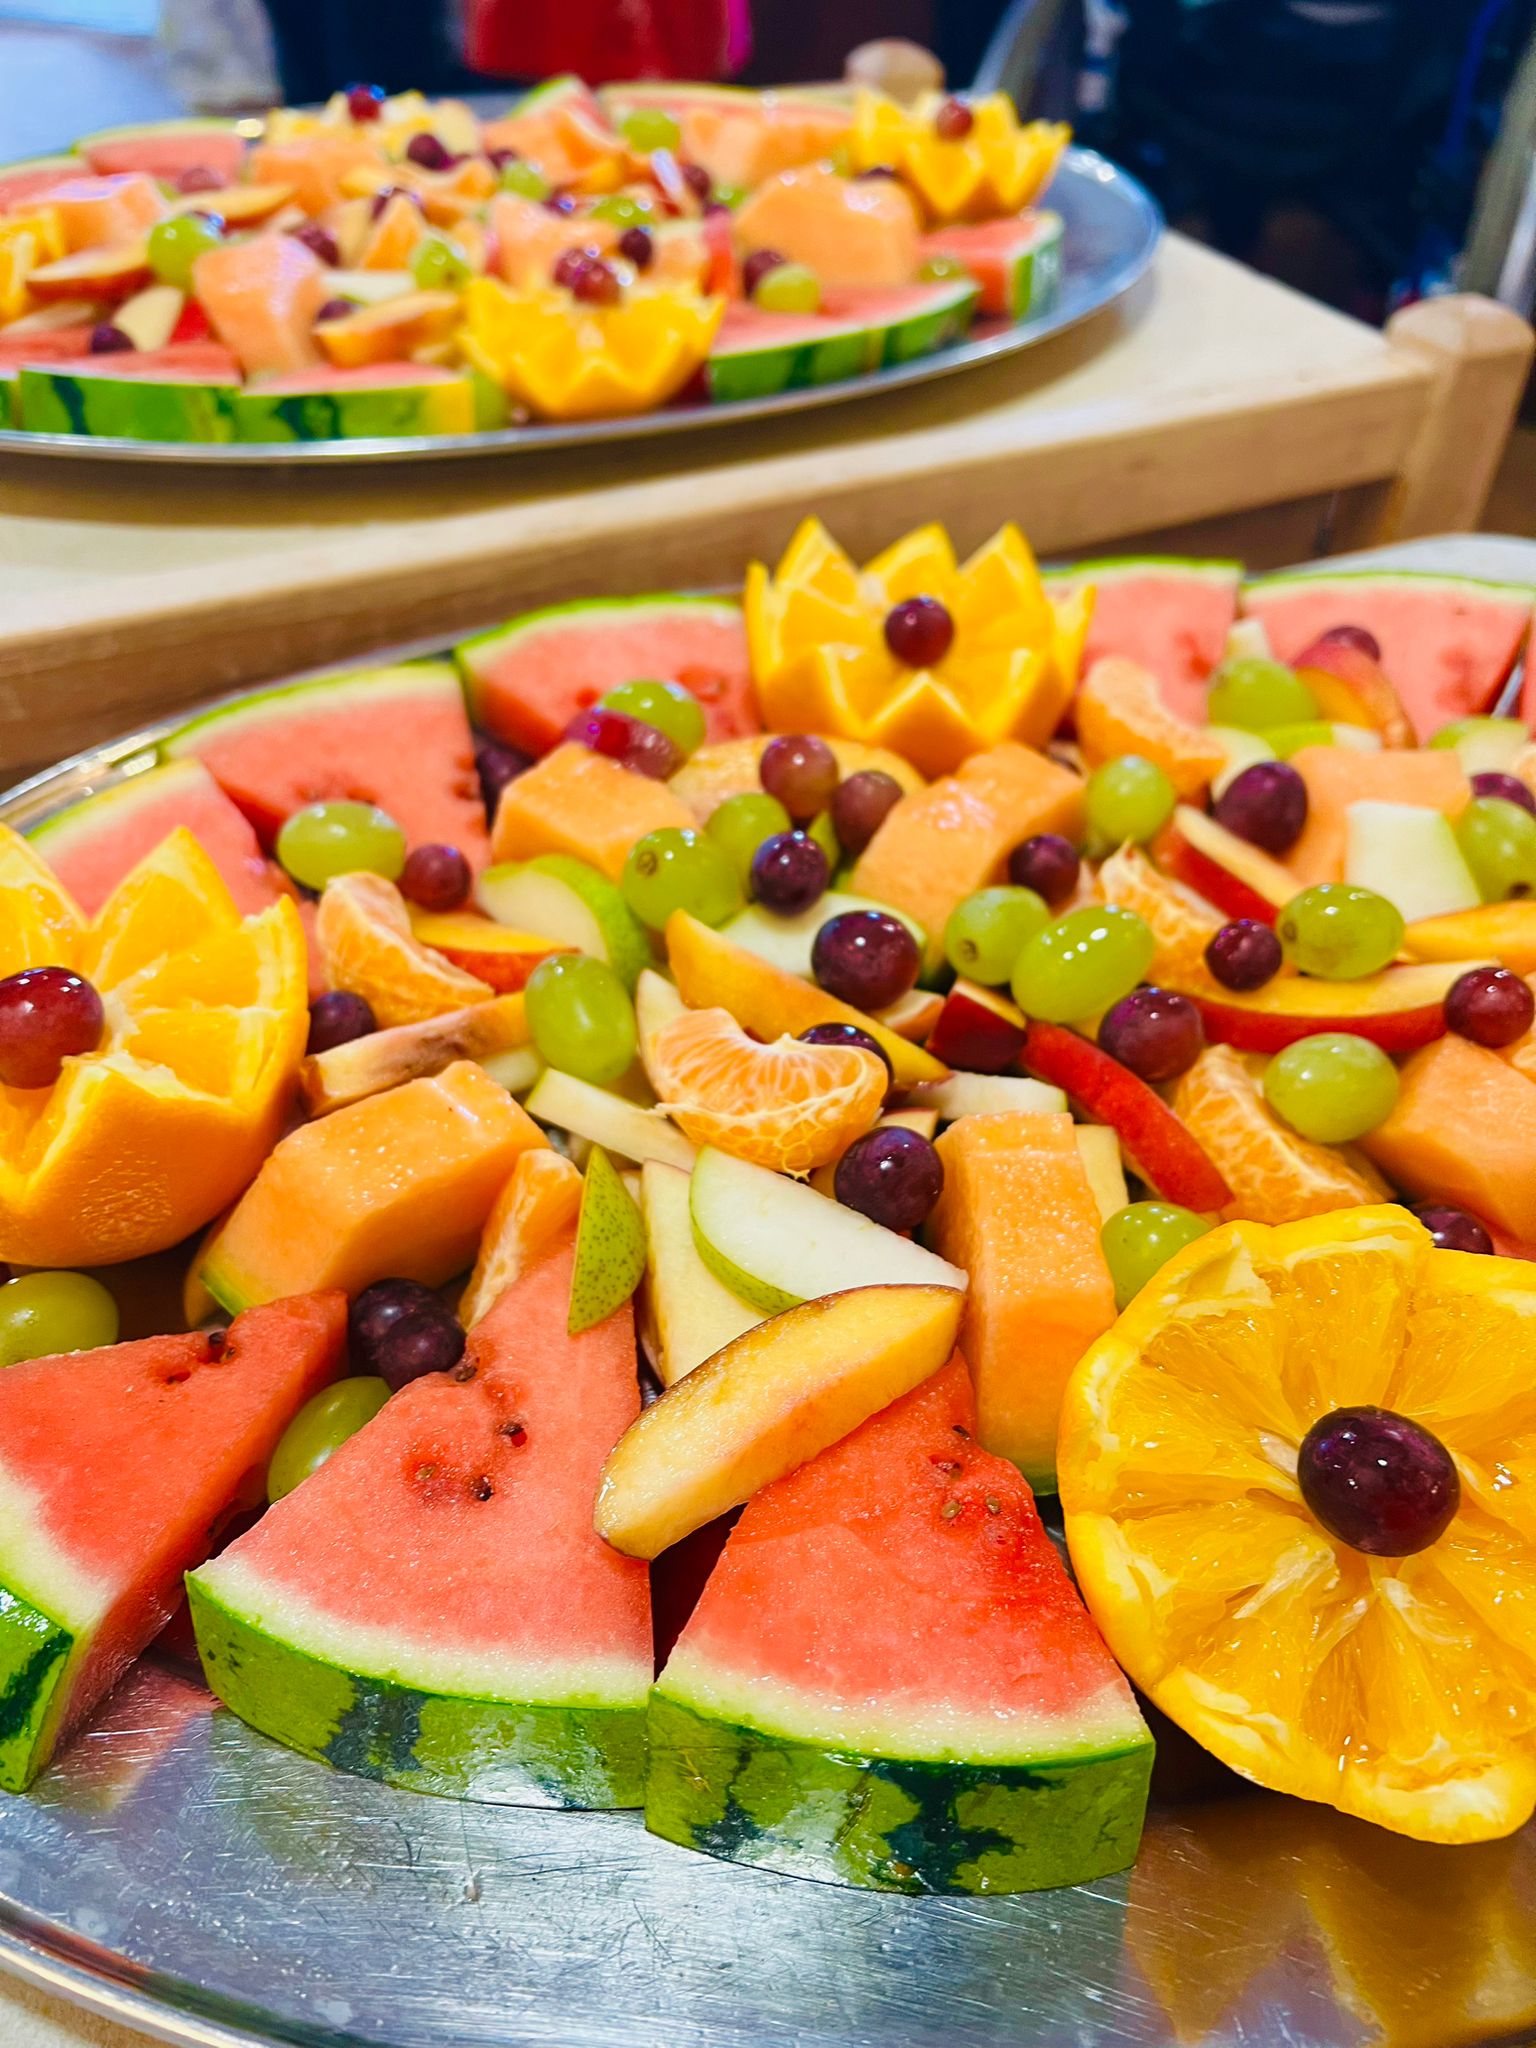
(590, 613)
(333, 410)
(1123, 568)
(583, 1750)
(1262, 587)
(48, 1614)
(78, 400)
(375, 685)
(763, 365)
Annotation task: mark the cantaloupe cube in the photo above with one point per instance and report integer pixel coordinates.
(95, 213)
(1464, 1132)
(1018, 1212)
(262, 297)
(581, 803)
(1337, 777)
(940, 843)
(314, 165)
(393, 237)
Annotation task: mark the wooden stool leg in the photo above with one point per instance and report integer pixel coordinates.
(1479, 355)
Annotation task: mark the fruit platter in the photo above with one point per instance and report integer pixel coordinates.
(400, 275)
(841, 1272)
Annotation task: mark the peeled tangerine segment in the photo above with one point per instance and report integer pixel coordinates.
(1398, 1689)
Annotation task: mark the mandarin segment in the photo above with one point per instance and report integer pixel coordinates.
(1120, 710)
(368, 948)
(1182, 922)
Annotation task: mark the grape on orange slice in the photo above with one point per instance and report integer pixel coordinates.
(1276, 1176)
(1388, 1671)
(539, 1200)
(363, 930)
(1183, 923)
(722, 768)
(789, 1105)
(1120, 710)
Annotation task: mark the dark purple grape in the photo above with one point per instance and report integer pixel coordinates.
(865, 957)
(563, 203)
(697, 179)
(1266, 805)
(335, 309)
(757, 266)
(789, 872)
(1453, 1230)
(597, 284)
(47, 1015)
(364, 101)
(878, 171)
(108, 340)
(919, 632)
(498, 764)
(953, 121)
(338, 1017)
(429, 152)
(1493, 782)
(1244, 954)
(421, 1341)
(569, 265)
(1048, 864)
(629, 741)
(1155, 1032)
(893, 1176)
(377, 1309)
(385, 193)
(847, 1034)
(498, 159)
(213, 222)
(638, 246)
(1490, 1006)
(436, 877)
(801, 771)
(1378, 1481)
(1352, 636)
(199, 178)
(319, 241)
(860, 807)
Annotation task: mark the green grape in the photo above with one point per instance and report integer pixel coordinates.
(648, 128)
(1082, 963)
(1332, 1087)
(175, 245)
(1483, 743)
(624, 210)
(987, 932)
(788, 288)
(1286, 740)
(679, 869)
(1255, 693)
(322, 1426)
(580, 1018)
(741, 824)
(729, 195)
(1128, 798)
(1141, 1238)
(43, 1313)
(942, 269)
(1340, 932)
(439, 265)
(1498, 843)
(344, 838)
(822, 831)
(525, 179)
(490, 401)
(668, 706)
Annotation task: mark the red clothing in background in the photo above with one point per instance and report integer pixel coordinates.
(602, 40)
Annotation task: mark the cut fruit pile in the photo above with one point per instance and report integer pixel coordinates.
(928, 1117)
(392, 266)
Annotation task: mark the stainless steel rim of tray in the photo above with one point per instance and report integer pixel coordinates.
(1112, 230)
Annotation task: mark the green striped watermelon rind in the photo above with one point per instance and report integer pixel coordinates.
(76, 400)
(85, 818)
(423, 402)
(1417, 579)
(903, 1824)
(850, 347)
(39, 1656)
(1125, 568)
(566, 1752)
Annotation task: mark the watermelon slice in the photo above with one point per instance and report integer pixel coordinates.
(396, 737)
(529, 678)
(117, 1467)
(21, 182)
(757, 354)
(183, 392)
(433, 1608)
(377, 401)
(93, 844)
(1170, 615)
(1016, 262)
(164, 149)
(889, 1680)
(63, 344)
(1448, 643)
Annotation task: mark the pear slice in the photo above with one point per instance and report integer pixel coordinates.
(561, 898)
(776, 1242)
(1409, 854)
(986, 1095)
(692, 1315)
(768, 1402)
(1098, 1146)
(657, 1002)
(605, 1119)
(610, 1246)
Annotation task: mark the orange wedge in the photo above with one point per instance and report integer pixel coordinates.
(1275, 1175)
(1401, 1689)
(144, 1140)
(789, 1106)
(1120, 710)
(367, 947)
(1183, 924)
(540, 1200)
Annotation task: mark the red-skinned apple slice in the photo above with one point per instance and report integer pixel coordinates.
(1399, 1009)
(1165, 1155)
(93, 274)
(1239, 879)
(501, 958)
(977, 1030)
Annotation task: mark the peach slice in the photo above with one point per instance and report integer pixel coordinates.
(502, 959)
(1352, 689)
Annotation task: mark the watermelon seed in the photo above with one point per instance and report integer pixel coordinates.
(481, 1488)
(461, 1373)
(994, 1505)
(178, 1378)
(515, 1433)
(950, 1509)
(961, 1430)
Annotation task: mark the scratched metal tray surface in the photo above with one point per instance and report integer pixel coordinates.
(180, 1874)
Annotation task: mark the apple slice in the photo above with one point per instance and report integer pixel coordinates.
(986, 1095)
(369, 287)
(1099, 1147)
(605, 1119)
(1351, 686)
(1407, 853)
(516, 1070)
(539, 1201)
(1242, 749)
(913, 1015)
(367, 1066)
(978, 1029)
(610, 1246)
(1165, 1155)
(1485, 745)
(502, 959)
(1399, 1009)
(238, 206)
(149, 318)
(657, 1002)
(776, 1242)
(713, 973)
(691, 1315)
(93, 274)
(786, 942)
(1239, 879)
(768, 1402)
(571, 904)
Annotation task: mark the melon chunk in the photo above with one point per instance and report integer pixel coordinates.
(1408, 854)
(580, 803)
(95, 213)
(261, 297)
(1464, 1132)
(1337, 777)
(858, 232)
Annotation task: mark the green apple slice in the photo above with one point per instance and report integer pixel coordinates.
(657, 1002)
(1099, 1148)
(986, 1095)
(786, 942)
(1484, 745)
(516, 1070)
(692, 1315)
(557, 897)
(776, 1242)
(149, 317)
(610, 1246)
(607, 1120)
(1407, 853)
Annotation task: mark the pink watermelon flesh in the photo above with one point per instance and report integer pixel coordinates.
(843, 306)
(167, 152)
(397, 737)
(128, 1459)
(368, 377)
(179, 362)
(1171, 617)
(528, 679)
(989, 249)
(1447, 642)
(27, 181)
(46, 345)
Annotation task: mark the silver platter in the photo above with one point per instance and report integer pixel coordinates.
(1112, 229)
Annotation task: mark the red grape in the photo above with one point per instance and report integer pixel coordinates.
(107, 339)
(637, 246)
(1155, 1032)
(47, 1015)
(1490, 1006)
(789, 872)
(337, 1018)
(429, 152)
(860, 807)
(376, 1309)
(334, 309)
(919, 632)
(865, 957)
(697, 179)
(421, 1341)
(1266, 805)
(1352, 636)
(597, 284)
(569, 265)
(1453, 1230)
(1378, 1481)
(801, 771)
(1244, 955)
(385, 193)
(629, 741)
(1048, 864)
(953, 121)
(893, 1176)
(847, 1034)
(1493, 782)
(199, 178)
(320, 242)
(878, 171)
(436, 877)
(364, 101)
(757, 267)
(497, 764)
(560, 202)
